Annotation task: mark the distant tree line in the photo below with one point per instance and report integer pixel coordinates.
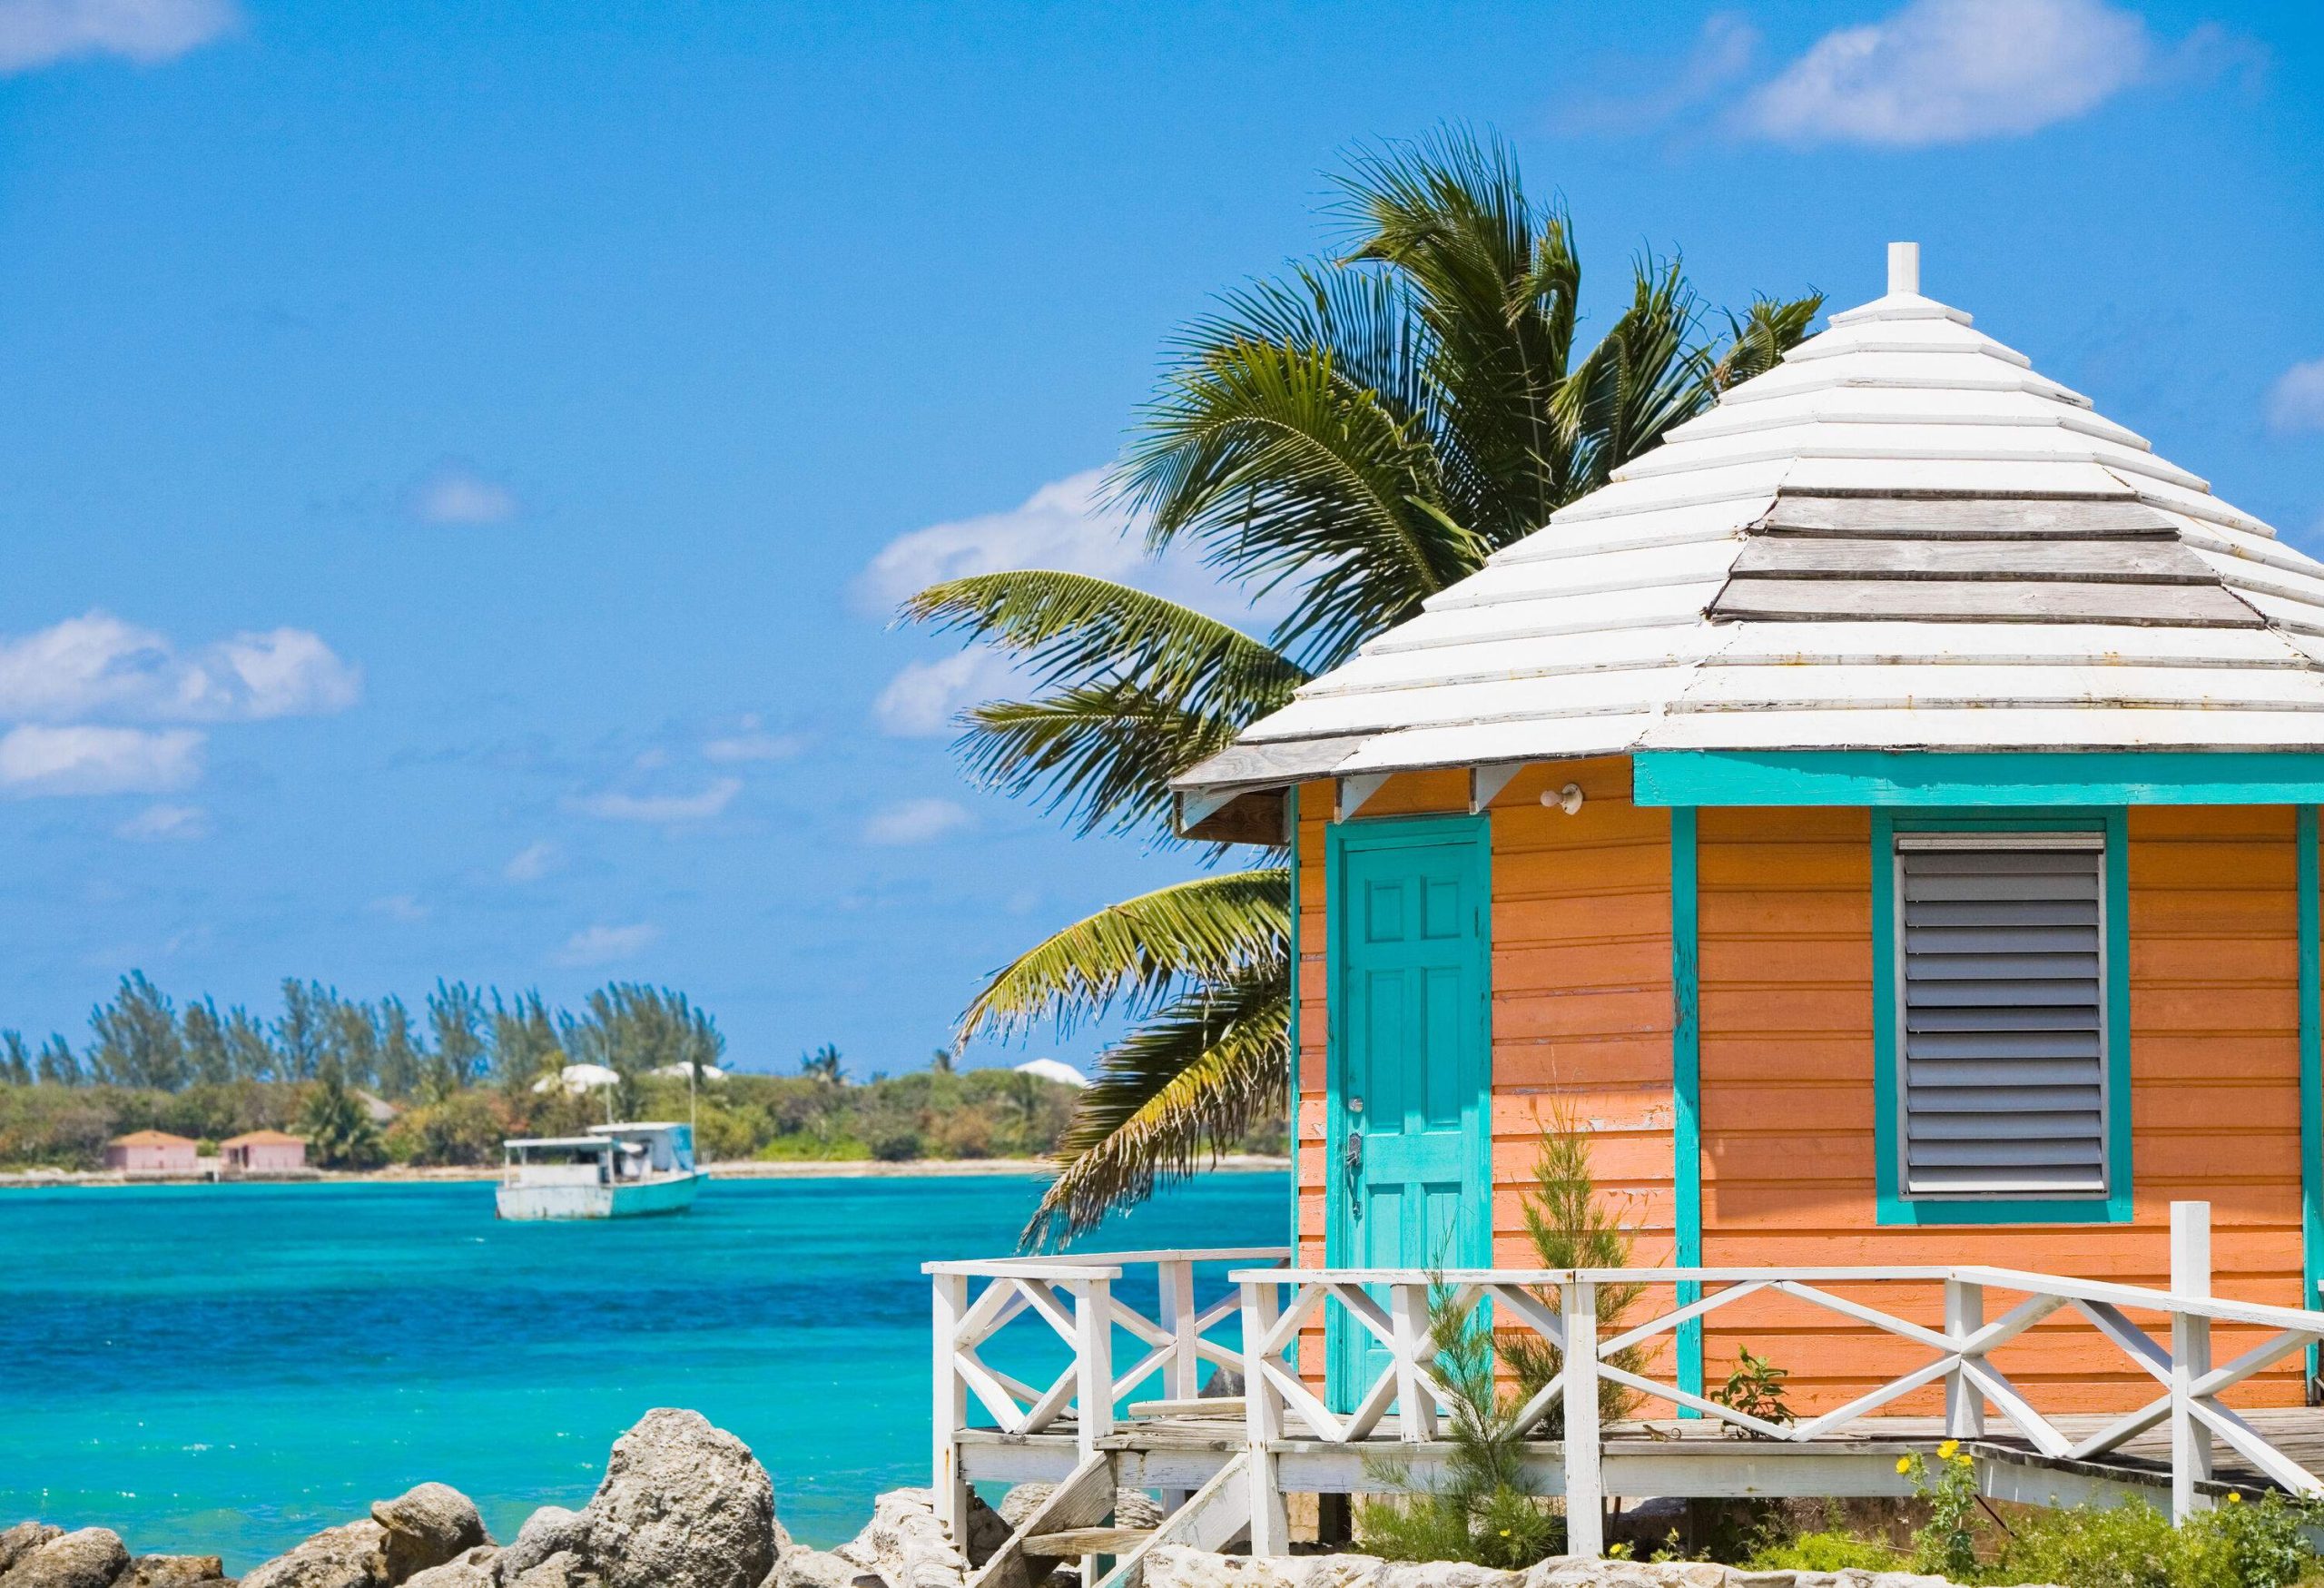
(470, 1037)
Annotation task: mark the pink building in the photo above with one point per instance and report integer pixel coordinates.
(263, 1152)
(151, 1152)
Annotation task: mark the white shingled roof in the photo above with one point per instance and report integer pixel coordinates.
(1900, 537)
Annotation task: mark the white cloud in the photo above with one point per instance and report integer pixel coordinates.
(2296, 401)
(598, 945)
(1651, 92)
(926, 697)
(532, 863)
(156, 823)
(750, 742)
(457, 494)
(1064, 525)
(915, 822)
(96, 665)
(41, 33)
(1949, 71)
(35, 759)
(404, 907)
(666, 808)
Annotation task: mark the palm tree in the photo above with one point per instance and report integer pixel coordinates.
(1356, 436)
(822, 1065)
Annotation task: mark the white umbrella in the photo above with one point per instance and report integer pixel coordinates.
(1055, 1069)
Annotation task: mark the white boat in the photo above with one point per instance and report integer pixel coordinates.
(615, 1172)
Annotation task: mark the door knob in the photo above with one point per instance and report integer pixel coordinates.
(1352, 1163)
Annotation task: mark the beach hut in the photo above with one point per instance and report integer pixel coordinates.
(1882, 823)
(263, 1152)
(1885, 814)
(151, 1153)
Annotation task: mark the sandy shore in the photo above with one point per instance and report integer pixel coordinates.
(798, 1169)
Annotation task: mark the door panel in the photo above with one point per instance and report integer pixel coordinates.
(1411, 1063)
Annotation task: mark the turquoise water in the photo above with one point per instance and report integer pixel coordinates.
(227, 1368)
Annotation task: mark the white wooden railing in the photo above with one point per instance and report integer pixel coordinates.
(1278, 1306)
(1075, 1297)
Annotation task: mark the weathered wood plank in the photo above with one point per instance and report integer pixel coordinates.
(1085, 1499)
(1980, 601)
(1941, 515)
(1078, 1542)
(1285, 762)
(2149, 562)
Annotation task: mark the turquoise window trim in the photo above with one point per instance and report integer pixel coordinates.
(1956, 779)
(1291, 1118)
(1891, 1206)
(2312, 1070)
(1686, 1091)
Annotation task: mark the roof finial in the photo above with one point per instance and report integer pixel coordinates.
(1903, 269)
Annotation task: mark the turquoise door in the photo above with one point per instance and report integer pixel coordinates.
(1409, 1130)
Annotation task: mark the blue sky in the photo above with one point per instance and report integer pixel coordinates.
(458, 458)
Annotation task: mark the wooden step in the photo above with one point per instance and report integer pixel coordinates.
(1075, 1541)
(1223, 1406)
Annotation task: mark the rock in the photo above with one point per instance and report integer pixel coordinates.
(1444, 1574)
(17, 1541)
(904, 1545)
(987, 1531)
(352, 1556)
(90, 1558)
(427, 1526)
(812, 1568)
(563, 1569)
(474, 1568)
(1170, 1566)
(172, 1572)
(683, 1505)
(551, 1530)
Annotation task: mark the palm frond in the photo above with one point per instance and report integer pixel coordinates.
(1183, 1087)
(1644, 376)
(1138, 688)
(1758, 340)
(1138, 952)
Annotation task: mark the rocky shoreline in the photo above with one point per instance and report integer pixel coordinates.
(684, 1505)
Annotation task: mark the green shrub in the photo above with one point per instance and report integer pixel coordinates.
(2234, 1545)
(465, 1130)
(1824, 1552)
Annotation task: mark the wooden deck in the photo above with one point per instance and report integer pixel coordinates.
(1642, 1459)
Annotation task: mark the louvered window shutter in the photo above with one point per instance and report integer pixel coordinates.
(2003, 1020)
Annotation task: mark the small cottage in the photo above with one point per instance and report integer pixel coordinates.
(1884, 817)
(153, 1152)
(263, 1152)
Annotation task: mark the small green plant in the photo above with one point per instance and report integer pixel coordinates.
(2236, 1544)
(1571, 1226)
(1755, 1390)
(1824, 1551)
(1481, 1511)
(1948, 1545)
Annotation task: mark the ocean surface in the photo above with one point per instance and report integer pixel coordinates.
(225, 1369)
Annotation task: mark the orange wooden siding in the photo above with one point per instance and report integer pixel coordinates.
(1582, 1019)
(1787, 1103)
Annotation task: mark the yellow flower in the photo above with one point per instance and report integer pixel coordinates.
(2233, 1498)
(1948, 1450)
(1504, 1533)
(1904, 1463)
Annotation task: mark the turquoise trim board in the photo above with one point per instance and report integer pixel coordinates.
(1409, 921)
(1686, 1091)
(1291, 1117)
(1979, 779)
(1892, 1207)
(2311, 1071)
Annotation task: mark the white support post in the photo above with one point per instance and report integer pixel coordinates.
(1263, 1423)
(950, 1409)
(1585, 1484)
(1182, 1374)
(1415, 1407)
(1965, 1403)
(1093, 1363)
(2190, 1356)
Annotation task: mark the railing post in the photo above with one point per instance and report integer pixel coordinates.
(1182, 1374)
(1585, 1487)
(2190, 1356)
(1093, 1363)
(951, 1408)
(1965, 1403)
(1262, 1422)
(1408, 1316)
